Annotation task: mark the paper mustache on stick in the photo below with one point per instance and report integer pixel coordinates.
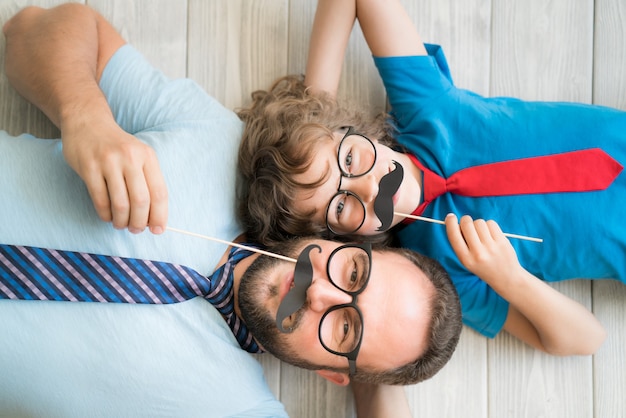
(303, 275)
(384, 210)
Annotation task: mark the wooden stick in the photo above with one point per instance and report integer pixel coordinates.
(436, 221)
(234, 244)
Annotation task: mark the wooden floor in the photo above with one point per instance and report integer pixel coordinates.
(572, 50)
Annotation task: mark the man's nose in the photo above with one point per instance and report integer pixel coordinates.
(323, 295)
(366, 187)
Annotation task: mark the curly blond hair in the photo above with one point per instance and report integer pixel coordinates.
(282, 127)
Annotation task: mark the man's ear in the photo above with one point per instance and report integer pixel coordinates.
(341, 379)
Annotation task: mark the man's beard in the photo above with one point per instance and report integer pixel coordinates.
(253, 289)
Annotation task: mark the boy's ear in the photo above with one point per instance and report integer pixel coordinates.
(341, 379)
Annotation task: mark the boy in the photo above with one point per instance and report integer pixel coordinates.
(345, 188)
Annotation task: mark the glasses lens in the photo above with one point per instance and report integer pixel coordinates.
(356, 155)
(345, 214)
(340, 330)
(349, 269)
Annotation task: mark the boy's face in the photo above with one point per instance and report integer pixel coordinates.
(356, 171)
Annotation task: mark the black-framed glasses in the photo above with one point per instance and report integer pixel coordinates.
(341, 327)
(356, 157)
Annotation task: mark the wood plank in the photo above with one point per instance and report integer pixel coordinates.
(156, 28)
(542, 50)
(460, 388)
(307, 395)
(524, 382)
(463, 29)
(609, 379)
(237, 47)
(609, 81)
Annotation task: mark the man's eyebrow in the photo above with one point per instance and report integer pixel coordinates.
(363, 263)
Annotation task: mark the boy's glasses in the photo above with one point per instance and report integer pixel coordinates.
(356, 157)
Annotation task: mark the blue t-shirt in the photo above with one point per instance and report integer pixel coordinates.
(88, 359)
(449, 129)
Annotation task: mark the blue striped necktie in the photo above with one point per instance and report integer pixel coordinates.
(30, 273)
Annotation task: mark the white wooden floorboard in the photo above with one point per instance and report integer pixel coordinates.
(609, 377)
(609, 298)
(157, 28)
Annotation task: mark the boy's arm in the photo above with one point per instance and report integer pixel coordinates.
(331, 30)
(538, 314)
(386, 26)
(375, 401)
(54, 58)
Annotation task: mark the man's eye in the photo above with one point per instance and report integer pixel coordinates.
(346, 329)
(354, 276)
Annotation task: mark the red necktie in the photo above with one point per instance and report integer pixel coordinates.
(576, 171)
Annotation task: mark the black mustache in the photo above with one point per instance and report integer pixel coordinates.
(383, 203)
(295, 298)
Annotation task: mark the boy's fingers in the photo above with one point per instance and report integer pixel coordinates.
(455, 236)
(468, 228)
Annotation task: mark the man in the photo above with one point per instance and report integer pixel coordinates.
(80, 359)
(147, 105)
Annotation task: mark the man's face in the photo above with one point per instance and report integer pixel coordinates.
(347, 203)
(395, 308)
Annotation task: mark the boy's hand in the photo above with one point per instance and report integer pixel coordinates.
(122, 175)
(482, 248)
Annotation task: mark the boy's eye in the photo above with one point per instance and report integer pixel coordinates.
(348, 161)
(346, 329)
(339, 209)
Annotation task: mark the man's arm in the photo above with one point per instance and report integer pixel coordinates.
(538, 314)
(386, 26)
(375, 401)
(54, 58)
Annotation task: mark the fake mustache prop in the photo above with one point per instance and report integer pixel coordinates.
(303, 274)
(383, 203)
(295, 298)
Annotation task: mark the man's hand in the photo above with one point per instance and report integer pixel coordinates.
(482, 248)
(54, 58)
(122, 175)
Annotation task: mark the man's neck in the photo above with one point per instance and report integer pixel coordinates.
(238, 272)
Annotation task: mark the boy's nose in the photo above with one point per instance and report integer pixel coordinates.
(323, 295)
(365, 187)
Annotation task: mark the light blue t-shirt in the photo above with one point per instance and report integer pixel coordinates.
(62, 359)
